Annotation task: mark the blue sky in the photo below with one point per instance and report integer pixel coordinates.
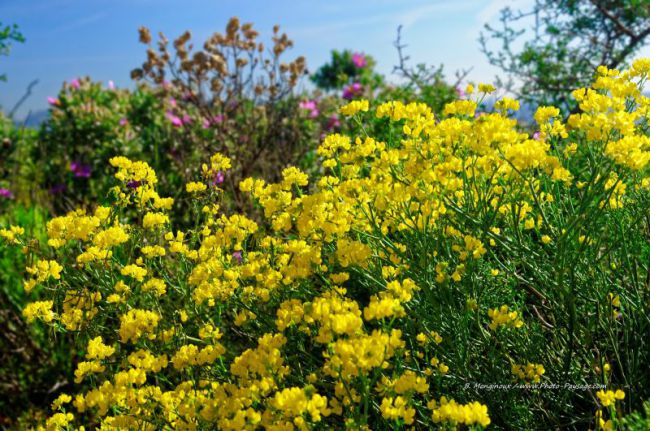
(98, 38)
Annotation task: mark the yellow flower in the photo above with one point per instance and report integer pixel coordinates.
(195, 187)
(354, 107)
(39, 310)
(12, 234)
(608, 398)
(134, 271)
(98, 350)
(450, 411)
(136, 323)
(529, 372)
(503, 317)
(486, 88)
(154, 220)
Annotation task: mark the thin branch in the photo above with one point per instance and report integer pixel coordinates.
(28, 93)
(613, 18)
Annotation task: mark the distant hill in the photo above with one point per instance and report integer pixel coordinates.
(34, 119)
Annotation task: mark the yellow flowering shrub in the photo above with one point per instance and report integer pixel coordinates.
(374, 297)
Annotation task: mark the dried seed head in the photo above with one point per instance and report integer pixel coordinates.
(232, 28)
(137, 74)
(145, 35)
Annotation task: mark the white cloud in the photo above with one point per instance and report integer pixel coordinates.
(406, 17)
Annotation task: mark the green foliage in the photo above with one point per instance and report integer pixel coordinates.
(342, 70)
(638, 421)
(35, 366)
(557, 45)
(8, 35)
(16, 162)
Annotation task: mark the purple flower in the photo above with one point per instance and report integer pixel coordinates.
(218, 119)
(536, 136)
(352, 91)
(57, 188)
(75, 84)
(460, 93)
(80, 170)
(237, 256)
(123, 121)
(133, 184)
(206, 124)
(53, 101)
(333, 122)
(111, 85)
(359, 60)
(6, 193)
(219, 177)
(172, 102)
(186, 119)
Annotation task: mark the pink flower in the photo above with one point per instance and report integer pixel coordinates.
(53, 101)
(359, 60)
(217, 119)
(237, 256)
(536, 136)
(311, 106)
(172, 102)
(186, 119)
(111, 85)
(176, 121)
(123, 121)
(460, 93)
(75, 84)
(307, 104)
(6, 193)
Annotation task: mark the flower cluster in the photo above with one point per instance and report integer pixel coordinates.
(346, 301)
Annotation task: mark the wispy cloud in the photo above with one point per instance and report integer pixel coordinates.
(406, 17)
(494, 7)
(80, 22)
(413, 16)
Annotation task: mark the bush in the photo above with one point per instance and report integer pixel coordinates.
(418, 271)
(231, 96)
(353, 71)
(15, 146)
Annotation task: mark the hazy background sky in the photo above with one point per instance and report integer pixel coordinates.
(98, 38)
